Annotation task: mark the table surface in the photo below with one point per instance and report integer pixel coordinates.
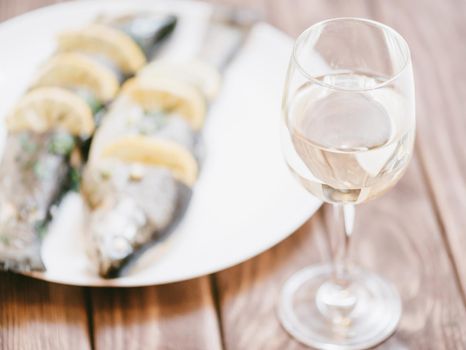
(415, 235)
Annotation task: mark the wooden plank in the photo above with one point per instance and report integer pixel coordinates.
(398, 235)
(175, 316)
(40, 315)
(436, 32)
(259, 280)
(11, 8)
(248, 293)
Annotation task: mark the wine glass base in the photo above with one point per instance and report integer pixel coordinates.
(369, 321)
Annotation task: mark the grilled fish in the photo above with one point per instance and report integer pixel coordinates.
(143, 164)
(32, 174)
(49, 127)
(131, 202)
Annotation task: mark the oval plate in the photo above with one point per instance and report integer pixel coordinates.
(245, 200)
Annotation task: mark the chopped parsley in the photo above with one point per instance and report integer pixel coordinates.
(75, 179)
(29, 164)
(61, 144)
(4, 239)
(153, 121)
(27, 144)
(40, 170)
(98, 116)
(41, 228)
(92, 101)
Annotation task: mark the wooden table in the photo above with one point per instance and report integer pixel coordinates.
(415, 235)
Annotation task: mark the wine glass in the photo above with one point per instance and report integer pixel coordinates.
(347, 135)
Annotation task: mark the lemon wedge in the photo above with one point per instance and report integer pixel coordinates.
(168, 94)
(77, 70)
(106, 41)
(202, 75)
(50, 108)
(155, 152)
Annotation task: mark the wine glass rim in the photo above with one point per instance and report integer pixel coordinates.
(398, 36)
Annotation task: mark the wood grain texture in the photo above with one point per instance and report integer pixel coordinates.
(40, 315)
(248, 293)
(400, 235)
(396, 236)
(171, 317)
(436, 33)
(11, 8)
(406, 236)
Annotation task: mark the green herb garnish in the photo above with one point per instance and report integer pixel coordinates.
(61, 144)
(92, 101)
(26, 144)
(41, 228)
(153, 121)
(98, 116)
(75, 179)
(40, 170)
(4, 239)
(158, 117)
(29, 165)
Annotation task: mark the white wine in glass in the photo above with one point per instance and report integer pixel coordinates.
(351, 147)
(347, 134)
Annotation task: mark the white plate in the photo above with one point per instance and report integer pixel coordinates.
(245, 201)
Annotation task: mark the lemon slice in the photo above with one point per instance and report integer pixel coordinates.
(155, 152)
(106, 41)
(202, 75)
(77, 70)
(168, 94)
(49, 108)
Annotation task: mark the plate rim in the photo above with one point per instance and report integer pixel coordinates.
(123, 282)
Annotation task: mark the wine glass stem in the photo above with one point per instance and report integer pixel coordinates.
(343, 229)
(337, 297)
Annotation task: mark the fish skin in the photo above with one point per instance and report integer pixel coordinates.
(25, 201)
(128, 212)
(151, 196)
(182, 203)
(226, 41)
(147, 29)
(31, 179)
(126, 118)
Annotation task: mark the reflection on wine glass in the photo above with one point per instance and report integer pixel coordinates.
(347, 135)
